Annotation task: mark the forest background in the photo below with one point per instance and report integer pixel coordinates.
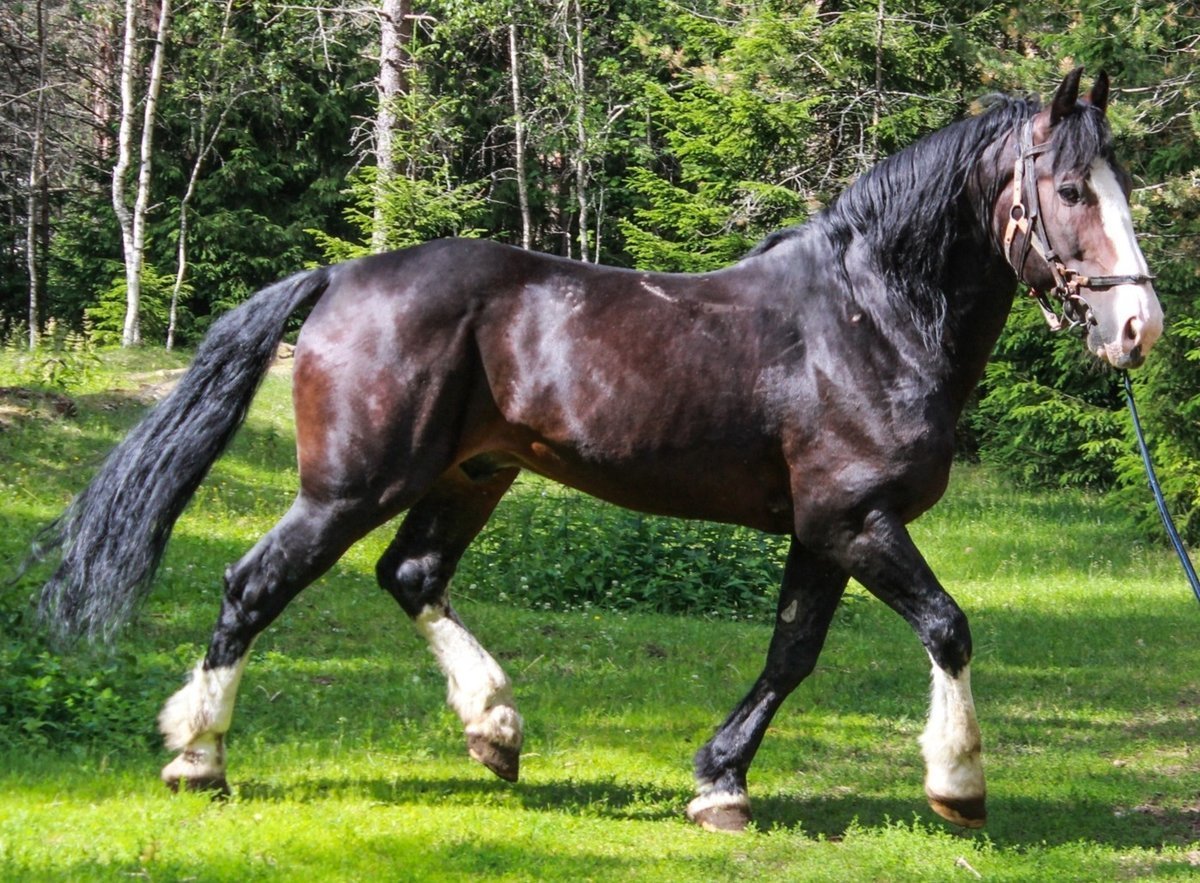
(160, 160)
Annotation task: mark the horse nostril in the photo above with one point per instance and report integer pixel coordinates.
(1133, 332)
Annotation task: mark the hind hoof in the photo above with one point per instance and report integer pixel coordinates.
(970, 812)
(215, 785)
(503, 760)
(195, 771)
(722, 813)
(495, 741)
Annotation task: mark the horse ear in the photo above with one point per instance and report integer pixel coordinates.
(1098, 96)
(1066, 96)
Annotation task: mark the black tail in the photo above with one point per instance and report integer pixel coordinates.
(111, 538)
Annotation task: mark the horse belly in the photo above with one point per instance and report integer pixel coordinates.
(709, 484)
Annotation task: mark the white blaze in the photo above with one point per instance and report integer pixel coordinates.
(1131, 302)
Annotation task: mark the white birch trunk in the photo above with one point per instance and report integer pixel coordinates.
(37, 173)
(394, 22)
(519, 135)
(578, 83)
(132, 334)
(124, 160)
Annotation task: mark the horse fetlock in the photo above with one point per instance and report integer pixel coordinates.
(202, 707)
(199, 767)
(719, 810)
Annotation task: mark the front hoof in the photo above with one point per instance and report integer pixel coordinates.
(723, 813)
(503, 760)
(967, 812)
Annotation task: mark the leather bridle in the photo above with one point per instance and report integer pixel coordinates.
(1025, 215)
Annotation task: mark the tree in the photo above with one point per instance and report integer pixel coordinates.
(395, 29)
(37, 201)
(215, 94)
(133, 220)
(518, 123)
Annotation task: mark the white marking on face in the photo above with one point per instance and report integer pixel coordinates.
(951, 743)
(1130, 303)
(202, 707)
(789, 612)
(475, 681)
(1117, 221)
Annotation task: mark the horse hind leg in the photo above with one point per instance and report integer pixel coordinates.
(416, 569)
(302, 546)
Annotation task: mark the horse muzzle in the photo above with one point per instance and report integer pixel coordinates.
(1124, 324)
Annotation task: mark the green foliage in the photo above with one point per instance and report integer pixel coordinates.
(84, 698)
(1047, 414)
(411, 210)
(554, 549)
(107, 317)
(63, 360)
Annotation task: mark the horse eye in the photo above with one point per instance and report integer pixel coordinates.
(1070, 194)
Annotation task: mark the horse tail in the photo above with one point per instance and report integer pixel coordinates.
(111, 538)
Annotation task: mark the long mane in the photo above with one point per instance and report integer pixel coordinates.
(911, 207)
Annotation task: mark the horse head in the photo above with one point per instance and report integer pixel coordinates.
(1068, 228)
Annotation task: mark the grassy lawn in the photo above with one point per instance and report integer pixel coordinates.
(346, 764)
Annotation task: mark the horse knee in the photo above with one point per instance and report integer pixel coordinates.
(415, 582)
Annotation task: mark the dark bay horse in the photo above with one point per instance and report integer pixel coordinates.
(810, 390)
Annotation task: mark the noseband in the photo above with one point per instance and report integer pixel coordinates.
(1025, 215)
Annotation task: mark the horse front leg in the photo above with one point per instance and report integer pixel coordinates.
(883, 558)
(812, 588)
(953, 750)
(416, 569)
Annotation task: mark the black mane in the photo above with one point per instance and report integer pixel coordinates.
(913, 205)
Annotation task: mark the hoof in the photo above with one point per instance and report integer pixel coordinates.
(195, 770)
(970, 812)
(216, 785)
(503, 760)
(723, 813)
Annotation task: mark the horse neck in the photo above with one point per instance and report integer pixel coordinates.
(979, 281)
(975, 279)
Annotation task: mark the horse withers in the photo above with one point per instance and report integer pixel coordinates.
(809, 390)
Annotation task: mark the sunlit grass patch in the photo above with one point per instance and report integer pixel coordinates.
(346, 763)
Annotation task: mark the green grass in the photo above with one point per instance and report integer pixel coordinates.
(346, 764)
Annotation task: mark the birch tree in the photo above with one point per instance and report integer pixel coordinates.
(395, 27)
(36, 203)
(133, 220)
(514, 67)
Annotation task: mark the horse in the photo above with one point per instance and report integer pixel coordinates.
(809, 390)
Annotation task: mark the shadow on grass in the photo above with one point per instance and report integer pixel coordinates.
(1020, 823)
(603, 799)
(371, 856)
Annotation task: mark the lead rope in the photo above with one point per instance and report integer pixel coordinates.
(1156, 489)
